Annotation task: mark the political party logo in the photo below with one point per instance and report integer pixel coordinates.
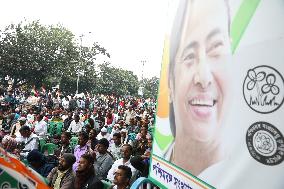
(6, 185)
(25, 186)
(22, 186)
(265, 143)
(263, 89)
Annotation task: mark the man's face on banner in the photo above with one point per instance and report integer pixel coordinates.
(199, 87)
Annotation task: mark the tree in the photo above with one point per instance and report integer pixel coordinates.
(87, 67)
(150, 87)
(29, 52)
(116, 81)
(35, 54)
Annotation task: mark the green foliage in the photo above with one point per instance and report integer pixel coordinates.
(30, 51)
(35, 54)
(116, 81)
(150, 87)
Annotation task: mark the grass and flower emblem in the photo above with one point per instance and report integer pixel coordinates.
(268, 87)
(262, 89)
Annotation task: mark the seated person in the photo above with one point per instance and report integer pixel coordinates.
(63, 177)
(10, 123)
(103, 160)
(76, 125)
(103, 134)
(126, 152)
(64, 146)
(122, 178)
(81, 148)
(115, 147)
(142, 162)
(141, 133)
(38, 162)
(68, 121)
(85, 174)
(93, 141)
(40, 128)
(9, 144)
(87, 128)
(15, 131)
(140, 144)
(125, 139)
(132, 127)
(56, 139)
(28, 141)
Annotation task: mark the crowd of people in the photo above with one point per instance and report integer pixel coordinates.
(97, 140)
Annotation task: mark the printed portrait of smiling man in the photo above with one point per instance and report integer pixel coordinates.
(199, 83)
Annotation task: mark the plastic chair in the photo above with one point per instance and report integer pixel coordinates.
(59, 128)
(50, 148)
(42, 142)
(140, 183)
(55, 128)
(107, 185)
(73, 142)
(51, 128)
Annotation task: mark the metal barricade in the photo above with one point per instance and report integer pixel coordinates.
(143, 182)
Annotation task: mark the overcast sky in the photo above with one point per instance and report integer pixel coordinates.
(131, 30)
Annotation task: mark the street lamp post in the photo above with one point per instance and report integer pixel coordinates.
(78, 78)
(141, 88)
(143, 63)
(79, 72)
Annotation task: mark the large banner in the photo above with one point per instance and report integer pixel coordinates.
(15, 175)
(220, 115)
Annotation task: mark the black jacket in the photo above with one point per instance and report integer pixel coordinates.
(93, 183)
